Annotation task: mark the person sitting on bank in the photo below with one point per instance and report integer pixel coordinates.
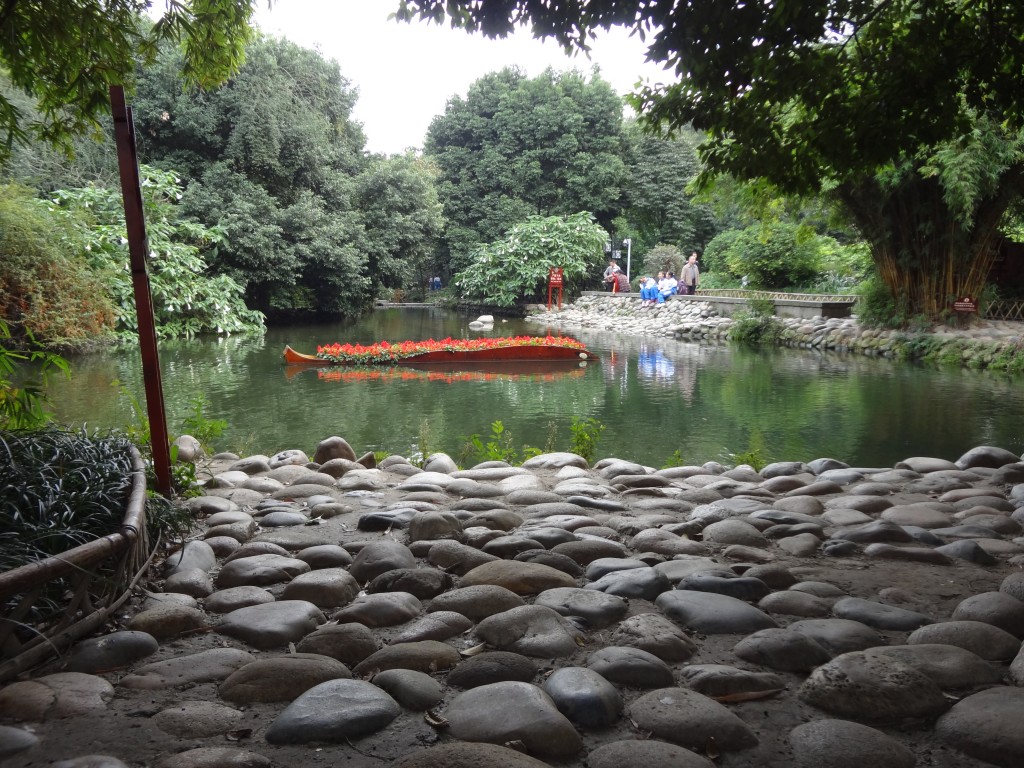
(648, 291)
(609, 274)
(690, 276)
(621, 282)
(667, 287)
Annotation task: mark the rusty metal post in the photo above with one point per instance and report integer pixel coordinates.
(138, 249)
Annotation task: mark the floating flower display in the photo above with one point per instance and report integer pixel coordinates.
(385, 352)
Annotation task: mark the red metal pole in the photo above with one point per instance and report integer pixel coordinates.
(138, 250)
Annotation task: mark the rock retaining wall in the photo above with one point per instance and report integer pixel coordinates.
(985, 344)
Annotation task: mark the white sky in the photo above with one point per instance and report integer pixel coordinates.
(406, 72)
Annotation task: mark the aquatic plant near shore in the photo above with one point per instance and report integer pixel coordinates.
(385, 352)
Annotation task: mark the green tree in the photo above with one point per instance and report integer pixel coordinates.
(779, 256)
(660, 207)
(67, 53)
(515, 269)
(403, 220)
(275, 158)
(908, 111)
(187, 300)
(518, 146)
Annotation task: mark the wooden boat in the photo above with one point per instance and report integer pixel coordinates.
(449, 373)
(536, 349)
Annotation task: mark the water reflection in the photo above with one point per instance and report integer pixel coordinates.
(655, 397)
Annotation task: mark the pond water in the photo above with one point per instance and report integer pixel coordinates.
(655, 397)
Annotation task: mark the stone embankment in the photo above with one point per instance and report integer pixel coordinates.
(329, 612)
(984, 344)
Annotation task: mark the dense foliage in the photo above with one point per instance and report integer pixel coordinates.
(515, 269)
(47, 287)
(516, 147)
(776, 257)
(187, 300)
(67, 54)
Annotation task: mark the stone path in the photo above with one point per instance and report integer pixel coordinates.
(330, 612)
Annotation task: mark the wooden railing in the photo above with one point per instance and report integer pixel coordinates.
(1005, 309)
(99, 576)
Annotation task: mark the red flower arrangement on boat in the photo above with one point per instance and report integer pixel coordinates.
(386, 352)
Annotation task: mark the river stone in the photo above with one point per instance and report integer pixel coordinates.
(845, 744)
(423, 656)
(554, 560)
(725, 582)
(412, 689)
(333, 448)
(519, 577)
(478, 602)
(596, 608)
(650, 754)
(348, 643)
(639, 583)
(996, 608)
(492, 667)
(981, 726)
(725, 683)
(249, 549)
(227, 600)
(283, 519)
(281, 678)
(909, 554)
(1013, 585)
(456, 557)
(194, 554)
(439, 625)
(655, 634)
(334, 711)
(272, 625)
(877, 531)
(774, 575)
(54, 697)
(513, 711)
(213, 757)
(631, 667)
(986, 456)
(434, 525)
(969, 550)
(386, 609)
(949, 666)
(734, 532)
(837, 636)
(795, 603)
(587, 551)
(259, 570)
(223, 546)
(14, 740)
(985, 640)
(532, 630)
(879, 615)
(783, 649)
(423, 583)
(197, 719)
(110, 652)
(509, 546)
(464, 754)
(711, 614)
(386, 519)
(690, 719)
(201, 667)
(378, 557)
(584, 696)
(324, 588)
(168, 621)
(863, 686)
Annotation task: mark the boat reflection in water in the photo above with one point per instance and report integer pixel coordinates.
(450, 373)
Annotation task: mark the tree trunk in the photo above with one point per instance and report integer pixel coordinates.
(926, 255)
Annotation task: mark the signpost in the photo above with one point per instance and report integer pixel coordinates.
(555, 280)
(965, 304)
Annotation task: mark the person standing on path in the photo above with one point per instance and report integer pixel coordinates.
(690, 275)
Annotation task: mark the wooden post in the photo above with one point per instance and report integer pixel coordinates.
(138, 250)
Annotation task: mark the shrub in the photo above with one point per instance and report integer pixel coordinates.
(771, 256)
(662, 258)
(45, 287)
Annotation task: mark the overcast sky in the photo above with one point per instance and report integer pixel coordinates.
(406, 72)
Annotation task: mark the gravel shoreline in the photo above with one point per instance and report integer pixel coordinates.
(561, 614)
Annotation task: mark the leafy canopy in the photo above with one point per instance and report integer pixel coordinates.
(67, 53)
(515, 269)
